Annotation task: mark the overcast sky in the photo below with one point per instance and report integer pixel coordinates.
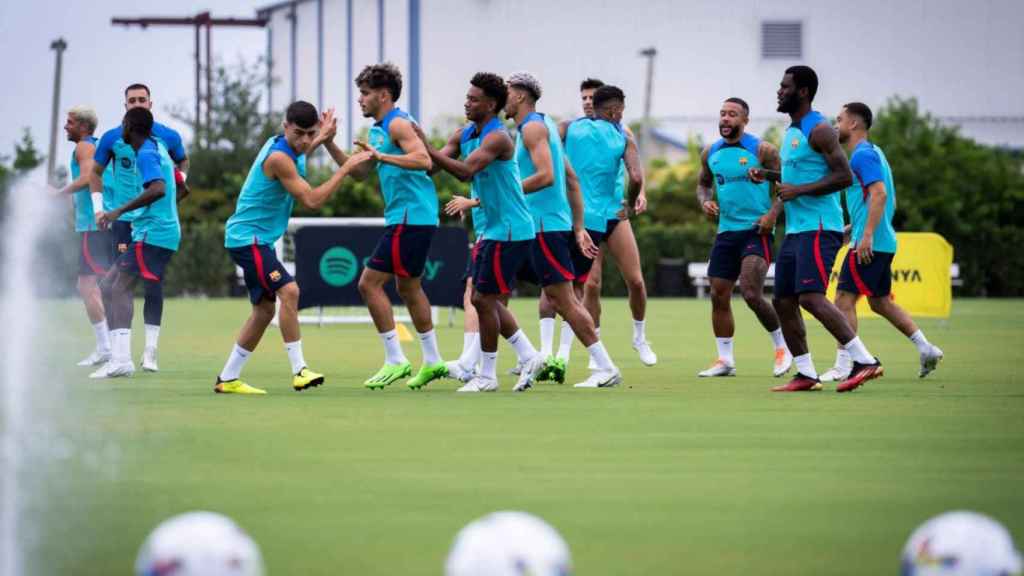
(102, 59)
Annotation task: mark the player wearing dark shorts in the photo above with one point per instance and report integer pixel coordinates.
(411, 214)
(275, 181)
(94, 257)
(867, 268)
(814, 171)
(482, 152)
(743, 246)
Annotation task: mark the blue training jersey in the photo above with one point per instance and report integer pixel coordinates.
(469, 141)
(596, 147)
(801, 164)
(741, 202)
(549, 205)
(113, 151)
(264, 205)
(869, 165)
(409, 195)
(499, 189)
(85, 219)
(157, 223)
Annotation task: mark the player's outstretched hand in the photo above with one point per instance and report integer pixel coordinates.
(787, 192)
(356, 159)
(765, 224)
(586, 244)
(458, 205)
(368, 148)
(865, 250)
(756, 175)
(328, 127)
(105, 219)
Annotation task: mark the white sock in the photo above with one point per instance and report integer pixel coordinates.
(489, 368)
(428, 344)
(392, 348)
(639, 331)
(858, 351)
(152, 335)
(121, 340)
(103, 337)
(233, 368)
(295, 355)
(805, 366)
(922, 343)
(565, 341)
(547, 336)
(843, 360)
(524, 348)
(470, 350)
(725, 350)
(600, 356)
(778, 339)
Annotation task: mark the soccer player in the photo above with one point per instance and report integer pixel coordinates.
(487, 159)
(867, 271)
(125, 187)
(814, 170)
(746, 225)
(95, 253)
(620, 241)
(562, 242)
(155, 232)
(411, 214)
(275, 181)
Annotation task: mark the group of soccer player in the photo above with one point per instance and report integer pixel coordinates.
(546, 206)
(808, 175)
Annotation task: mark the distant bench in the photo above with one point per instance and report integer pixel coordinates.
(698, 273)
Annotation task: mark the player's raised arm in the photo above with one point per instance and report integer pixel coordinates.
(415, 155)
(282, 168)
(535, 140)
(824, 141)
(496, 144)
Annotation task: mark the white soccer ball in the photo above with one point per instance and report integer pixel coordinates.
(509, 544)
(960, 543)
(199, 544)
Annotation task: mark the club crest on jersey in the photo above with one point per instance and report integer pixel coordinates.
(126, 163)
(275, 276)
(795, 142)
(743, 160)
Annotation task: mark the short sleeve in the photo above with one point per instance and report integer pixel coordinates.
(105, 147)
(867, 166)
(148, 163)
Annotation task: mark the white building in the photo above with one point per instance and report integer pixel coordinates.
(963, 60)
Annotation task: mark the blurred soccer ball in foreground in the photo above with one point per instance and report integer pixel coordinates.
(960, 544)
(199, 544)
(508, 544)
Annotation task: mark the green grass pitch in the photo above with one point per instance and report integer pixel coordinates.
(667, 474)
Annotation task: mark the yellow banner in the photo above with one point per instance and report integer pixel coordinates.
(921, 282)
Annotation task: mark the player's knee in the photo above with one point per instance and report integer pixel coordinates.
(480, 301)
(878, 304)
(751, 295)
(289, 294)
(408, 288)
(811, 301)
(635, 284)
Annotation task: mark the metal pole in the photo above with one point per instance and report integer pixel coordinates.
(380, 30)
(199, 94)
(349, 78)
(648, 53)
(414, 58)
(209, 82)
(293, 65)
(320, 55)
(58, 45)
(270, 70)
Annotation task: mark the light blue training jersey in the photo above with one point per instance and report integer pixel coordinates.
(741, 202)
(409, 195)
(499, 189)
(869, 165)
(264, 205)
(549, 205)
(801, 164)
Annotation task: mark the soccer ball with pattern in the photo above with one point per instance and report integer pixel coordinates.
(509, 544)
(199, 544)
(960, 544)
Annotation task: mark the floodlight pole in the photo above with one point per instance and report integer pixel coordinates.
(58, 46)
(645, 139)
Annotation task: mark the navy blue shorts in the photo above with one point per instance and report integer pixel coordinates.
(498, 263)
(95, 253)
(263, 272)
(120, 236)
(581, 264)
(145, 261)
(551, 258)
(471, 261)
(610, 229)
(804, 263)
(874, 279)
(402, 250)
(731, 248)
